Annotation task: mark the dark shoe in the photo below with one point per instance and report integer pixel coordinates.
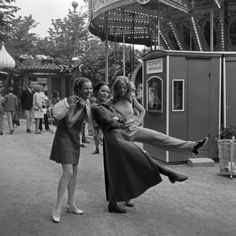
(96, 151)
(113, 207)
(82, 145)
(11, 131)
(199, 145)
(177, 177)
(1, 133)
(129, 203)
(85, 140)
(28, 131)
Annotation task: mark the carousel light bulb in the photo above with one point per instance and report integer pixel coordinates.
(217, 3)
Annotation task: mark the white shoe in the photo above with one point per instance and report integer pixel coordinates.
(56, 215)
(74, 210)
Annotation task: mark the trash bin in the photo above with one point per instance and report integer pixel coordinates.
(227, 156)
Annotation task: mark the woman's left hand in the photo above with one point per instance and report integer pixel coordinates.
(115, 118)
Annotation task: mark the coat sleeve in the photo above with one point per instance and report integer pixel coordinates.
(104, 118)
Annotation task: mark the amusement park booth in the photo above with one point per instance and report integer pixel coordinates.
(182, 97)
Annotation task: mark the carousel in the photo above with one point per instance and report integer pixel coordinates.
(188, 73)
(195, 25)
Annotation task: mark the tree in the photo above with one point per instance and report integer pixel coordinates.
(19, 40)
(7, 12)
(67, 37)
(94, 60)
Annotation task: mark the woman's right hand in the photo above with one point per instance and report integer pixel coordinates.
(81, 103)
(72, 101)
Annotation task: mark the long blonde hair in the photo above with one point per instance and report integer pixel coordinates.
(115, 89)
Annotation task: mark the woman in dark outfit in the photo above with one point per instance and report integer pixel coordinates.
(66, 146)
(129, 171)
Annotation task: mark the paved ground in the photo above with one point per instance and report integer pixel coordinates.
(205, 205)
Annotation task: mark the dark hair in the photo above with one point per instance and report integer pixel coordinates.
(78, 84)
(97, 87)
(55, 94)
(115, 88)
(10, 89)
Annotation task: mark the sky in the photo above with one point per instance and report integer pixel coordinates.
(43, 11)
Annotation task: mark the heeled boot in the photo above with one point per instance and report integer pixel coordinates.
(199, 145)
(172, 175)
(113, 207)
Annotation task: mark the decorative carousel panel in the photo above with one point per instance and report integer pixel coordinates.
(184, 24)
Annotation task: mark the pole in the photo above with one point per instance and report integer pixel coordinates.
(212, 28)
(106, 50)
(123, 53)
(159, 25)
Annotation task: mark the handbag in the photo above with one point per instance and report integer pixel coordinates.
(60, 109)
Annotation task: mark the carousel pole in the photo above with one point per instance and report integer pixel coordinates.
(124, 53)
(159, 25)
(132, 68)
(115, 46)
(106, 49)
(212, 28)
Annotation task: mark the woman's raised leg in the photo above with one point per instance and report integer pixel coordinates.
(166, 142)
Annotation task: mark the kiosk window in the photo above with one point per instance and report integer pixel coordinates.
(154, 94)
(177, 95)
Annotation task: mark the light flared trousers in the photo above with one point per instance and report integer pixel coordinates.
(160, 140)
(29, 117)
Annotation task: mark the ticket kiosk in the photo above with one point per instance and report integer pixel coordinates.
(182, 97)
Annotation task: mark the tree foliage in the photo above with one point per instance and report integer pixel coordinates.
(67, 37)
(19, 40)
(7, 11)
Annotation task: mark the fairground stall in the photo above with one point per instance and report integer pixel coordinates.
(187, 75)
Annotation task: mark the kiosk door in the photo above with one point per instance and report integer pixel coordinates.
(230, 91)
(198, 98)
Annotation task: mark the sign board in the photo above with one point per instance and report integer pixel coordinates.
(154, 66)
(42, 80)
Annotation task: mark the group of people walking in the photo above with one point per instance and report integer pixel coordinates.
(129, 170)
(35, 105)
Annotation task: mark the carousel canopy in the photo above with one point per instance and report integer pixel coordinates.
(173, 24)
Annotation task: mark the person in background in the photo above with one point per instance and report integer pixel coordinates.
(101, 88)
(1, 112)
(66, 145)
(11, 106)
(26, 99)
(55, 99)
(139, 93)
(38, 102)
(45, 109)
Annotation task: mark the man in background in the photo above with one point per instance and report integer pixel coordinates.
(1, 112)
(27, 105)
(11, 106)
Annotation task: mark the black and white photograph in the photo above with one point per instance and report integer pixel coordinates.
(117, 118)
